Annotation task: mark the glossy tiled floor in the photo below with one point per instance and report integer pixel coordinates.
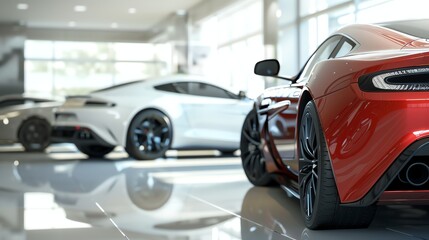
(62, 195)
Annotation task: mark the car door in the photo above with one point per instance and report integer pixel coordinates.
(215, 114)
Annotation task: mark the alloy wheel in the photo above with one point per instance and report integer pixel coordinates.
(251, 155)
(310, 149)
(149, 136)
(152, 135)
(34, 134)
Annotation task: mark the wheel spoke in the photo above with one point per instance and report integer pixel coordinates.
(313, 184)
(138, 131)
(253, 165)
(250, 139)
(309, 200)
(258, 167)
(314, 173)
(310, 150)
(306, 148)
(160, 130)
(246, 160)
(250, 124)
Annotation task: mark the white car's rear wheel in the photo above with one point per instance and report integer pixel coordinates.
(149, 135)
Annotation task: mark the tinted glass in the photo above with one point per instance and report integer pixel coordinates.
(11, 102)
(182, 87)
(345, 48)
(206, 90)
(166, 87)
(196, 89)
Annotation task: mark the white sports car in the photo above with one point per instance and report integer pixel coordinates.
(26, 120)
(151, 116)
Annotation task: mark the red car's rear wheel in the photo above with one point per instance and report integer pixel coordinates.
(320, 203)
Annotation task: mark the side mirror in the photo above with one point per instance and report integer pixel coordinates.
(242, 95)
(269, 68)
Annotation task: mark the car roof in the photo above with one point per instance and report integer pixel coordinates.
(155, 81)
(381, 36)
(418, 28)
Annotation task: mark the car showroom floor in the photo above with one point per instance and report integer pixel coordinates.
(63, 195)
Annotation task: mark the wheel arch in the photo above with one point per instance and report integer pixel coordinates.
(305, 98)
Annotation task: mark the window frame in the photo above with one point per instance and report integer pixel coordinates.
(344, 38)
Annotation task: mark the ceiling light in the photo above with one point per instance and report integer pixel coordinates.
(72, 24)
(278, 13)
(132, 10)
(114, 25)
(80, 8)
(22, 6)
(181, 12)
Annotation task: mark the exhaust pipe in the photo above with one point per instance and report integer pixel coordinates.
(417, 174)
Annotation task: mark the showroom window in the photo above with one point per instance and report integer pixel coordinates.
(55, 68)
(234, 39)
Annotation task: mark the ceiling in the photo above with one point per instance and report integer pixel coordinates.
(100, 15)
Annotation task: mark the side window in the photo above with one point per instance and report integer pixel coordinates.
(322, 53)
(11, 102)
(196, 89)
(166, 87)
(345, 48)
(182, 87)
(206, 90)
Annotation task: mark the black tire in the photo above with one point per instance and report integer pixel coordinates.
(252, 158)
(94, 150)
(149, 136)
(319, 200)
(35, 134)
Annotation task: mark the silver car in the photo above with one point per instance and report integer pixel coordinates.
(26, 120)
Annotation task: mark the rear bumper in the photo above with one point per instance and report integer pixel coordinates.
(378, 191)
(76, 135)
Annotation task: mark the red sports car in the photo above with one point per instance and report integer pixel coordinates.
(351, 130)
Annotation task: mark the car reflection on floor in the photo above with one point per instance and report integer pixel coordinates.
(44, 196)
